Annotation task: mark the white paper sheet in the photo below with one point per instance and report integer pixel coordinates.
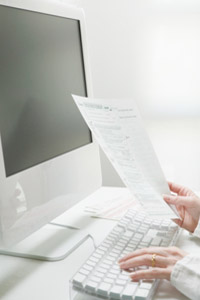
(113, 205)
(118, 128)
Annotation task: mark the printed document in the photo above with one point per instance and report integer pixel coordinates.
(113, 205)
(118, 129)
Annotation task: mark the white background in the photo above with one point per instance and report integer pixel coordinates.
(149, 50)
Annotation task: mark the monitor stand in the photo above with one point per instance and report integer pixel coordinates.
(52, 242)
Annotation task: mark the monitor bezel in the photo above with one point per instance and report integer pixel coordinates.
(9, 236)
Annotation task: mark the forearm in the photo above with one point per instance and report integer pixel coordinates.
(186, 276)
(197, 231)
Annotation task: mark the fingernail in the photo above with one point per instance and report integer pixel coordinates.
(166, 197)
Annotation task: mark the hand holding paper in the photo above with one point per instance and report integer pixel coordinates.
(118, 128)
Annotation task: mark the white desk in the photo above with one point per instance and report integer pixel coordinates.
(26, 279)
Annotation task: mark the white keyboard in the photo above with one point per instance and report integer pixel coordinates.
(101, 277)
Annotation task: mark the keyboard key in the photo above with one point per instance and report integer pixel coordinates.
(133, 227)
(91, 263)
(91, 286)
(84, 272)
(87, 267)
(156, 241)
(99, 274)
(95, 278)
(102, 270)
(124, 277)
(111, 275)
(132, 243)
(138, 236)
(103, 289)
(98, 256)
(105, 266)
(129, 291)
(120, 282)
(128, 233)
(164, 243)
(142, 230)
(114, 271)
(165, 225)
(107, 262)
(113, 254)
(173, 225)
(147, 239)
(125, 272)
(129, 249)
(146, 285)
(103, 248)
(115, 292)
(161, 233)
(152, 233)
(117, 251)
(147, 221)
(118, 229)
(109, 280)
(111, 258)
(100, 252)
(79, 279)
(122, 224)
(141, 294)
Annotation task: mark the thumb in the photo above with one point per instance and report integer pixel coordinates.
(178, 222)
(178, 200)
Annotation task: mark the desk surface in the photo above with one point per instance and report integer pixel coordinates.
(22, 279)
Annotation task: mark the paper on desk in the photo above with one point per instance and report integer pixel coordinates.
(118, 128)
(112, 207)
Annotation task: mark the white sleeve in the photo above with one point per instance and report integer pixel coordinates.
(186, 276)
(197, 230)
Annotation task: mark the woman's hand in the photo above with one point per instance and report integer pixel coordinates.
(187, 204)
(161, 261)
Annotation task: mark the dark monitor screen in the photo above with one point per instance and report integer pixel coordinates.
(41, 65)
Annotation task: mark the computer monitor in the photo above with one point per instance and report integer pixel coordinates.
(48, 158)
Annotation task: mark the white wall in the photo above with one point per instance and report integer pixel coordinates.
(148, 50)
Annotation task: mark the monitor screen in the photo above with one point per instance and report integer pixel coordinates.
(41, 65)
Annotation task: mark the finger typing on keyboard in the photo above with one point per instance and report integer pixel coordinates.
(116, 267)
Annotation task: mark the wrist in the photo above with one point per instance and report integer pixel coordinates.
(196, 231)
